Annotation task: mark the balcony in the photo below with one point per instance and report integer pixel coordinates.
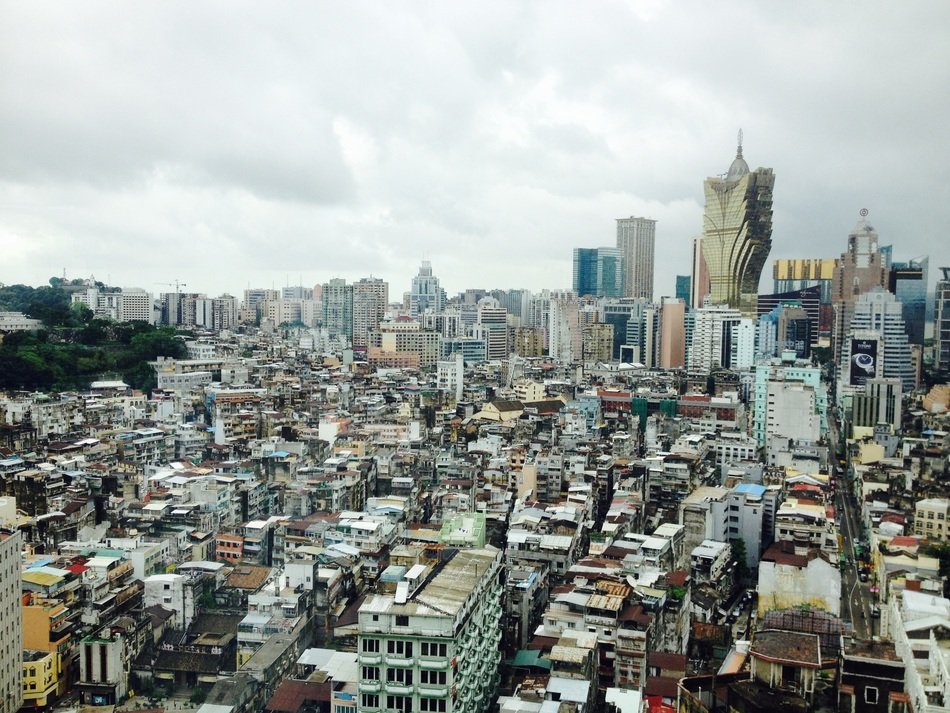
(431, 664)
(370, 659)
(399, 661)
(369, 686)
(398, 689)
(433, 690)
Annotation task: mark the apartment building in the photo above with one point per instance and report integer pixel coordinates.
(434, 645)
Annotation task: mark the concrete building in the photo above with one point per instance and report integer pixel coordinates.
(737, 233)
(721, 339)
(597, 342)
(877, 316)
(932, 519)
(11, 626)
(672, 333)
(786, 370)
(863, 267)
(338, 308)
(635, 240)
(918, 624)
(434, 645)
(699, 276)
(878, 403)
(491, 327)
(370, 302)
(942, 321)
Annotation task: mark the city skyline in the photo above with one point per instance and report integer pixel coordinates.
(473, 136)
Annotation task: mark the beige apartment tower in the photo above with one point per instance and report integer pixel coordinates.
(737, 233)
(635, 239)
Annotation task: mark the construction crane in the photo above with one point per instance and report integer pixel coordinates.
(177, 284)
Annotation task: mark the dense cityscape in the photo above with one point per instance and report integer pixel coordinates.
(350, 498)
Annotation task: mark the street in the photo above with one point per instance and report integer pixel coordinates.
(856, 598)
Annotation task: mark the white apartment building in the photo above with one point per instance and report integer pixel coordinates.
(434, 645)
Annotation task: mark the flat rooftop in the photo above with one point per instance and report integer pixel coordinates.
(446, 592)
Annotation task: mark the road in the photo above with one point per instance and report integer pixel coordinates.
(856, 598)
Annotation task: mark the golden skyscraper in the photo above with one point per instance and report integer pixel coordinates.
(737, 232)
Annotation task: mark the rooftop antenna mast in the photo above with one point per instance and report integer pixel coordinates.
(739, 145)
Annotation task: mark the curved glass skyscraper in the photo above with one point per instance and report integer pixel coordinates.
(737, 233)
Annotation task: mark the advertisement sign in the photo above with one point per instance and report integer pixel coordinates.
(863, 361)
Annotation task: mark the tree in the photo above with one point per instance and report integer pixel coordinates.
(739, 555)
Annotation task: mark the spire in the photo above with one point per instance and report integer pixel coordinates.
(739, 167)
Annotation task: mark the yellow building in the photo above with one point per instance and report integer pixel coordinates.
(40, 678)
(46, 627)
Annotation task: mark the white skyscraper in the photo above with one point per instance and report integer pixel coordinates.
(635, 239)
(877, 344)
(426, 294)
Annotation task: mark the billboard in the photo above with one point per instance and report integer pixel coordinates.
(863, 361)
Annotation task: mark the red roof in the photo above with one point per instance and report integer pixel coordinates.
(77, 568)
(904, 541)
(291, 695)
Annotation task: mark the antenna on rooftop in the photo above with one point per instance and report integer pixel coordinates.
(739, 144)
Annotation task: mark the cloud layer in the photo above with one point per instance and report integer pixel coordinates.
(229, 143)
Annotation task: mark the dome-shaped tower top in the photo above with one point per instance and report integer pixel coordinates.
(739, 167)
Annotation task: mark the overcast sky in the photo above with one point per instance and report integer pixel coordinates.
(228, 144)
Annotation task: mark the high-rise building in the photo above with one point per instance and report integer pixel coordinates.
(635, 240)
(737, 232)
(492, 327)
(877, 344)
(789, 275)
(296, 292)
(809, 300)
(619, 314)
(672, 333)
(683, 289)
(598, 272)
(699, 276)
(721, 339)
(370, 301)
(908, 282)
(426, 294)
(788, 371)
(597, 342)
(11, 623)
(434, 644)
(338, 308)
(942, 321)
(863, 267)
(217, 313)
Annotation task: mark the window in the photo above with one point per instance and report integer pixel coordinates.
(370, 673)
(399, 675)
(399, 703)
(371, 646)
(433, 649)
(398, 647)
(370, 700)
(870, 695)
(431, 705)
(433, 678)
(402, 620)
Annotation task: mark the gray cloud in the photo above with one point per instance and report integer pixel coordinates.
(235, 143)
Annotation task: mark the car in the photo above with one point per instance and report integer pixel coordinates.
(876, 611)
(863, 576)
